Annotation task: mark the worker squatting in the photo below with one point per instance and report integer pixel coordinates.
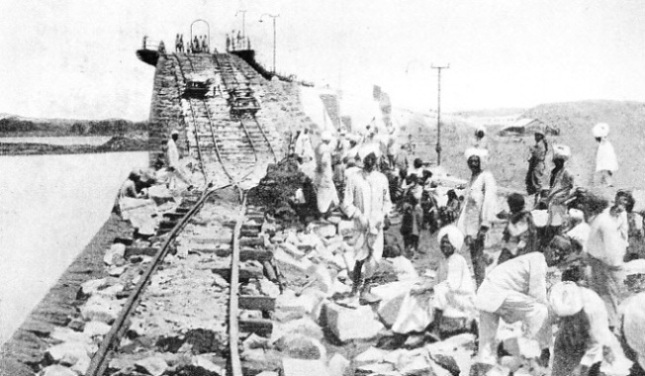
(370, 179)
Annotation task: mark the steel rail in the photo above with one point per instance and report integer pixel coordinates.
(218, 154)
(99, 362)
(192, 112)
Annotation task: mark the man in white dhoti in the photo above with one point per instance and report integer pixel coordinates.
(326, 194)
(606, 161)
(367, 202)
(514, 291)
(633, 325)
(480, 209)
(174, 166)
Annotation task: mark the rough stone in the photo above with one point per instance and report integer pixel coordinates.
(116, 271)
(304, 326)
(307, 304)
(154, 365)
(288, 264)
(301, 367)
(112, 291)
(375, 368)
(520, 346)
(337, 365)
(68, 353)
(96, 328)
(201, 361)
(413, 364)
(298, 346)
(115, 252)
(484, 369)
(100, 309)
(57, 370)
(254, 341)
(348, 324)
(323, 230)
(93, 285)
(269, 288)
(371, 355)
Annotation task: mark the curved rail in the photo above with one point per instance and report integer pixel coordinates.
(99, 361)
(266, 138)
(192, 111)
(248, 135)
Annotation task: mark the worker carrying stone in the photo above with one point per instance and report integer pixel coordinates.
(367, 202)
(174, 166)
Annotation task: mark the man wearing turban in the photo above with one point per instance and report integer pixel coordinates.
(325, 189)
(606, 161)
(480, 206)
(367, 201)
(583, 340)
(561, 184)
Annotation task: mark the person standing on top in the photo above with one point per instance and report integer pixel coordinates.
(479, 209)
(367, 202)
(536, 173)
(606, 161)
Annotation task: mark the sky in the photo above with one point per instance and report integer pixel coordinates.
(76, 58)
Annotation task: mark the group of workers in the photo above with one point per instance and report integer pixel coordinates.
(565, 223)
(197, 45)
(235, 41)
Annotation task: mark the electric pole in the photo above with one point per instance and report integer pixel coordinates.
(438, 148)
(243, 11)
(274, 16)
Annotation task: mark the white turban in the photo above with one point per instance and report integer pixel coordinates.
(477, 152)
(481, 128)
(175, 131)
(326, 136)
(565, 299)
(367, 149)
(600, 130)
(562, 152)
(455, 236)
(576, 214)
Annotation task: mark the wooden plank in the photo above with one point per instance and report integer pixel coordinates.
(140, 251)
(246, 254)
(243, 274)
(260, 303)
(261, 327)
(251, 242)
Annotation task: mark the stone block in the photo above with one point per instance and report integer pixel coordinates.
(302, 367)
(349, 324)
(93, 285)
(523, 347)
(337, 365)
(96, 328)
(154, 365)
(100, 309)
(288, 264)
(375, 369)
(299, 346)
(57, 370)
(305, 326)
(415, 364)
(116, 251)
(369, 356)
(202, 362)
(68, 353)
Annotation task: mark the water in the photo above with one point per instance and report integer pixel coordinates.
(50, 208)
(84, 140)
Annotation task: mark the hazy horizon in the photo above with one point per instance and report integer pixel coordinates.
(76, 59)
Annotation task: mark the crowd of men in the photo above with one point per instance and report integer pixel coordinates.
(557, 223)
(199, 44)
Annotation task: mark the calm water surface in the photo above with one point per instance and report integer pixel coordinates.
(50, 208)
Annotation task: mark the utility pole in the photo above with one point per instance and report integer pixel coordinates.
(274, 16)
(438, 148)
(243, 11)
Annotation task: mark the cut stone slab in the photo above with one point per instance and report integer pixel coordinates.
(371, 355)
(200, 361)
(100, 309)
(337, 365)
(115, 252)
(298, 346)
(93, 285)
(154, 365)
(304, 326)
(96, 328)
(301, 367)
(349, 324)
(68, 335)
(68, 353)
(57, 370)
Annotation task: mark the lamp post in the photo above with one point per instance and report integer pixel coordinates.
(243, 11)
(439, 68)
(274, 16)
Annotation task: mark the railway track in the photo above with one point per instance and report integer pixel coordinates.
(233, 79)
(234, 259)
